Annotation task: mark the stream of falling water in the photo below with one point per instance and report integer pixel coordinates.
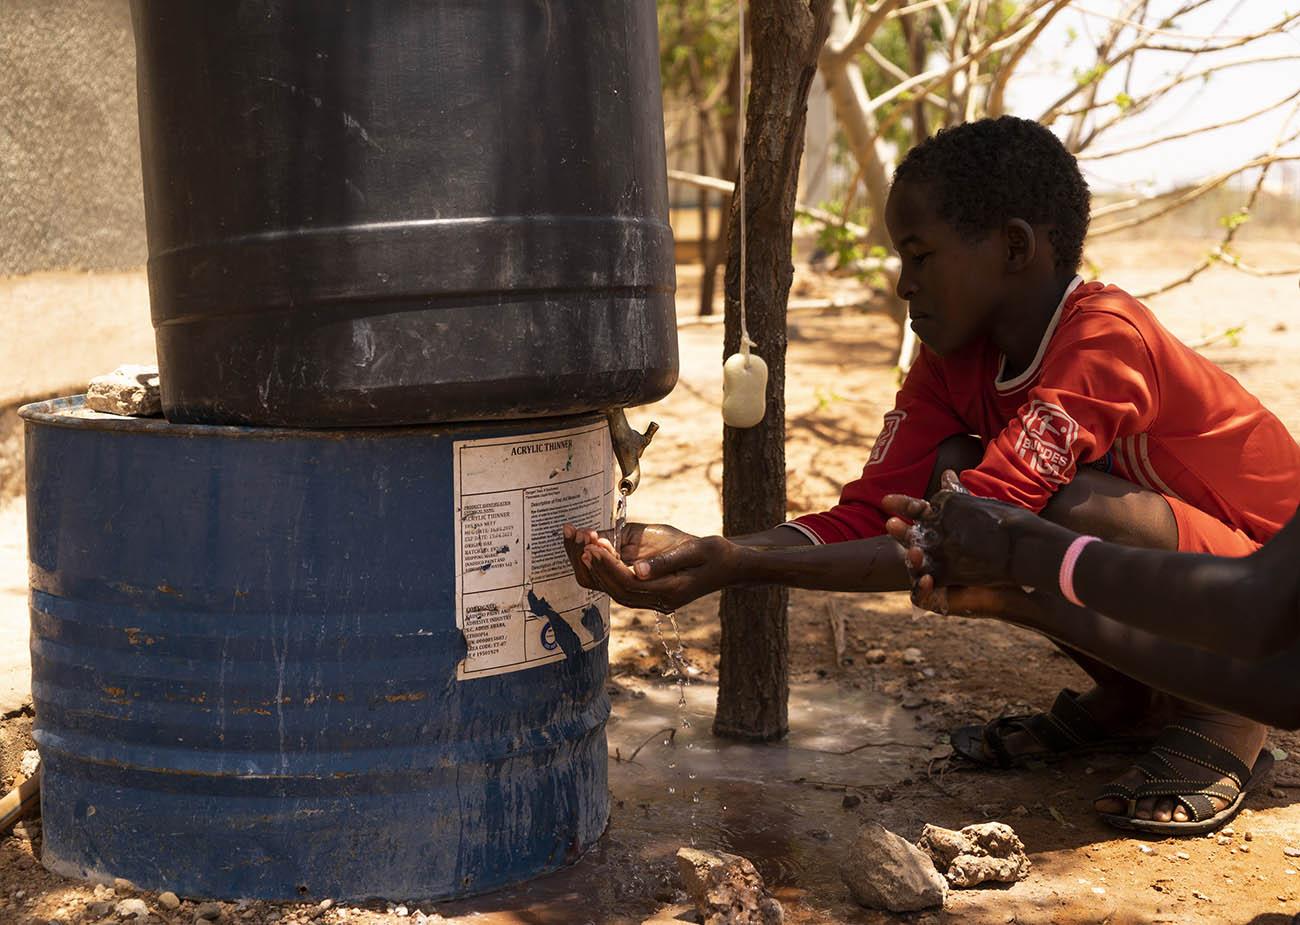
(676, 654)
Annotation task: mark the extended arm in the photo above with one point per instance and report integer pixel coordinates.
(1264, 688)
(1239, 607)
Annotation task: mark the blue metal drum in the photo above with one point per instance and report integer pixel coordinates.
(282, 664)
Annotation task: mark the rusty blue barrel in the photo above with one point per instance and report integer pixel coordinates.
(286, 663)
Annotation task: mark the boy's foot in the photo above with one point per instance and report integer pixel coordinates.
(1240, 736)
(1102, 719)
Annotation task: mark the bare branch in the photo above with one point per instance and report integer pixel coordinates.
(937, 76)
(997, 93)
(1052, 114)
(862, 28)
(1193, 194)
(916, 8)
(1116, 152)
(718, 185)
(1142, 43)
(1174, 33)
(893, 70)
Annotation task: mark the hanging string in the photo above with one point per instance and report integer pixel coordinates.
(745, 342)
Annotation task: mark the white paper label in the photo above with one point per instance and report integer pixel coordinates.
(517, 601)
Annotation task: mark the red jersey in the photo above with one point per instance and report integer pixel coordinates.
(1109, 387)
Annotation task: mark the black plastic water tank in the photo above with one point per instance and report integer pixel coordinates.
(365, 213)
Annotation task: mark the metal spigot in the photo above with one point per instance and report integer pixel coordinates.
(628, 447)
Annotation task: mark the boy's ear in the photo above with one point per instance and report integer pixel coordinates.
(1021, 244)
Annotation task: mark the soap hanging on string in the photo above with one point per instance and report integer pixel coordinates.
(744, 374)
(744, 387)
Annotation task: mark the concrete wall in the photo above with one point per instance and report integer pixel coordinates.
(73, 301)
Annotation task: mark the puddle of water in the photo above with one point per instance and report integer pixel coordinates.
(687, 788)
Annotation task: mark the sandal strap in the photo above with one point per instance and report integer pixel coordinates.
(1199, 749)
(1075, 718)
(1113, 789)
(1064, 728)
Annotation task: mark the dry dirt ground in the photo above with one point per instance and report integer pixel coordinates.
(840, 381)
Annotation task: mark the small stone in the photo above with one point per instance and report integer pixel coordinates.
(122, 885)
(22, 830)
(1099, 890)
(169, 900)
(1291, 851)
(1201, 896)
(1183, 856)
(1249, 836)
(1146, 849)
(19, 894)
(1223, 840)
(1228, 830)
(401, 912)
(1279, 754)
(851, 801)
(875, 656)
(928, 672)
(132, 908)
(325, 904)
(99, 908)
(1290, 872)
(1277, 793)
(1245, 849)
(912, 656)
(128, 391)
(884, 871)
(30, 763)
(726, 889)
(208, 912)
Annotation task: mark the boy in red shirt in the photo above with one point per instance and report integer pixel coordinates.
(1056, 395)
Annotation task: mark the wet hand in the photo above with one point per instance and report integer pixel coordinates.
(657, 567)
(955, 538)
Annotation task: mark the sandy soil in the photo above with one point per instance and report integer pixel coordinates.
(840, 381)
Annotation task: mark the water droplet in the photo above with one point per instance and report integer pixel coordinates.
(672, 789)
(695, 798)
(692, 775)
(672, 764)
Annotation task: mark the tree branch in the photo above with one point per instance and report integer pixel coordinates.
(1116, 152)
(718, 185)
(862, 28)
(1192, 195)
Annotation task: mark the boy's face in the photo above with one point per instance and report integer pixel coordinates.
(952, 286)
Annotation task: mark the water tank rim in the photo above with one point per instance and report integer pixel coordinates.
(61, 412)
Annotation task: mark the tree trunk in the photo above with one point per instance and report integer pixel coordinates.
(753, 676)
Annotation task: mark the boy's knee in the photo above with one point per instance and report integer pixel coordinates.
(958, 453)
(1115, 510)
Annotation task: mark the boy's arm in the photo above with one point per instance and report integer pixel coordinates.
(1097, 382)
(1262, 689)
(844, 549)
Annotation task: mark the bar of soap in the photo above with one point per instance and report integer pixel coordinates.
(744, 390)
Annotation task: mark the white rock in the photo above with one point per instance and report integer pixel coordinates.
(990, 851)
(169, 900)
(884, 871)
(31, 761)
(132, 908)
(912, 656)
(128, 391)
(726, 889)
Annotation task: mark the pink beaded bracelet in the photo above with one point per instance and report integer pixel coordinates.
(1070, 560)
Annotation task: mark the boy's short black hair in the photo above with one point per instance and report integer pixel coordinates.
(994, 170)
